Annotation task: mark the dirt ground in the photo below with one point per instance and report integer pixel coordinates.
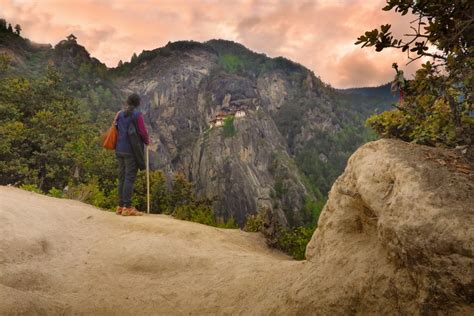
(60, 256)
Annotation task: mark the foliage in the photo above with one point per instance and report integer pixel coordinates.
(199, 213)
(228, 128)
(254, 223)
(91, 193)
(237, 59)
(57, 193)
(229, 224)
(31, 188)
(4, 62)
(313, 209)
(294, 241)
(181, 192)
(439, 99)
(38, 122)
(426, 117)
(160, 199)
(231, 63)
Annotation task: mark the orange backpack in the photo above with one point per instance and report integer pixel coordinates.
(109, 139)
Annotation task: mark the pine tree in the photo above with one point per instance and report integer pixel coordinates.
(3, 24)
(10, 28)
(18, 29)
(134, 58)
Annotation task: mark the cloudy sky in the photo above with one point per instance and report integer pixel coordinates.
(319, 34)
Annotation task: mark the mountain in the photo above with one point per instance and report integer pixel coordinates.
(285, 134)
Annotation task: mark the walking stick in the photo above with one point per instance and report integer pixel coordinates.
(147, 181)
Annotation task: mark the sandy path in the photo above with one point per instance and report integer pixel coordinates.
(63, 256)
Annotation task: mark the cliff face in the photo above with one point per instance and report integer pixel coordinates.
(238, 169)
(242, 172)
(395, 237)
(259, 165)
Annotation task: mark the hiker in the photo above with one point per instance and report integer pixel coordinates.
(132, 136)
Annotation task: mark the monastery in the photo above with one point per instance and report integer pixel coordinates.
(218, 119)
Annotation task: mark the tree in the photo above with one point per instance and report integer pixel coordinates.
(38, 120)
(438, 102)
(18, 29)
(4, 62)
(182, 191)
(10, 29)
(134, 58)
(3, 24)
(120, 63)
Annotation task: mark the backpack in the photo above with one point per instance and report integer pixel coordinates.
(136, 142)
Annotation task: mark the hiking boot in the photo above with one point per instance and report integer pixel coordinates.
(119, 210)
(131, 211)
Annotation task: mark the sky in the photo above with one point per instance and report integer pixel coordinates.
(318, 34)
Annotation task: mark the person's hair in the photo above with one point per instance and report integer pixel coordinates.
(133, 101)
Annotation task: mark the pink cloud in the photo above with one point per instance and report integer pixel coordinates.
(318, 34)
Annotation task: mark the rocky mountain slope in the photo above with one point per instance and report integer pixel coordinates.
(293, 141)
(396, 237)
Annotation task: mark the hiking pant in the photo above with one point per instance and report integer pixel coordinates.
(127, 169)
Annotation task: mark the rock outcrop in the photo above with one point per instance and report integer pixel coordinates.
(249, 171)
(395, 237)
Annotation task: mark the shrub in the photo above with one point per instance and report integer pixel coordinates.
(253, 223)
(159, 195)
(57, 193)
(228, 127)
(203, 214)
(229, 224)
(88, 193)
(199, 213)
(231, 63)
(31, 188)
(293, 241)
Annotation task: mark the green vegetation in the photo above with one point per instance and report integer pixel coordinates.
(294, 241)
(228, 128)
(254, 223)
(231, 63)
(237, 59)
(438, 102)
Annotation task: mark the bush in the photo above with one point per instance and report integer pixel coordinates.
(159, 195)
(199, 213)
(293, 241)
(88, 193)
(228, 127)
(231, 63)
(230, 224)
(253, 223)
(57, 193)
(31, 188)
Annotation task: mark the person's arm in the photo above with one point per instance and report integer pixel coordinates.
(142, 129)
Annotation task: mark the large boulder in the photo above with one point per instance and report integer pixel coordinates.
(396, 237)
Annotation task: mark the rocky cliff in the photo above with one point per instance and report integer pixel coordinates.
(291, 117)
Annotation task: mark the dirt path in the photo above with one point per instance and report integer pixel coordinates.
(63, 256)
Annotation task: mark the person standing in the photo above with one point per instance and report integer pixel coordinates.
(124, 151)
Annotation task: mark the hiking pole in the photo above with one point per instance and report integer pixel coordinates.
(147, 181)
